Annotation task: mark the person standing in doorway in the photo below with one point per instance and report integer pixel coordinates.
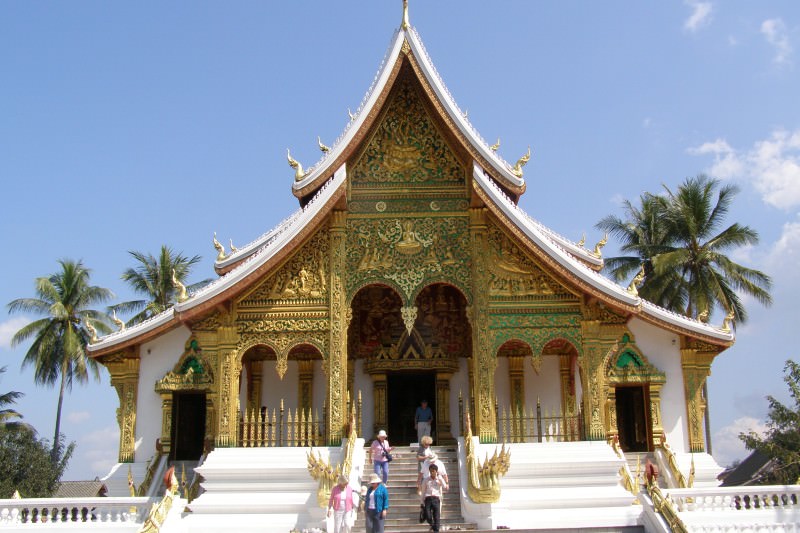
(423, 418)
(381, 455)
(376, 504)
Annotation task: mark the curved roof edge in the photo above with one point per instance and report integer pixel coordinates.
(289, 230)
(544, 240)
(222, 266)
(502, 167)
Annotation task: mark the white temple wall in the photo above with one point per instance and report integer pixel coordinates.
(546, 385)
(319, 388)
(274, 389)
(662, 349)
(158, 357)
(363, 382)
(502, 384)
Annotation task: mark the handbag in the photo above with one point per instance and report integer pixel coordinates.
(386, 454)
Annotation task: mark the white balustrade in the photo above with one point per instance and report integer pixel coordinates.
(82, 512)
(747, 498)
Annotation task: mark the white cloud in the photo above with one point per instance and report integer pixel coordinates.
(77, 417)
(9, 328)
(726, 445)
(772, 164)
(774, 31)
(785, 253)
(701, 15)
(96, 450)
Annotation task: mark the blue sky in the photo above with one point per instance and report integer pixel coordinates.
(125, 126)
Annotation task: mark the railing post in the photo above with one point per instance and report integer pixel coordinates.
(460, 413)
(539, 419)
(280, 425)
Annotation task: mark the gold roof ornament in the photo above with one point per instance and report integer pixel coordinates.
(466, 114)
(637, 280)
(521, 162)
(325, 149)
(298, 168)
(233, 248)
(495, 146)
(351, 115)
(220, 249)
(703, 316)
(598, 248)
(727, 324)
(91, 330)
(180, 287)
(405, 23)
(582, 241)
(119, 323)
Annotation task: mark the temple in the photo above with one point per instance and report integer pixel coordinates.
(409, 272)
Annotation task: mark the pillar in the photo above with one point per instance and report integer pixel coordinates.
(484, 360)
(696, 367)
(340, 314)
(380, 399)
(444, 434)
(124, 370)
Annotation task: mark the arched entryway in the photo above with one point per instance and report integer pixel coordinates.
(405, 354)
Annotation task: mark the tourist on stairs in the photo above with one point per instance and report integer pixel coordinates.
(432, 489)
(381, 455)
(376, 503)
(342, 506)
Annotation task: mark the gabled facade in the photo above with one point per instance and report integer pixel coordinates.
(410, 273)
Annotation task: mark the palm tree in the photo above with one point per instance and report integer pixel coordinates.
(58, 350)
(678, 238)
(153, 277)
(8, 417)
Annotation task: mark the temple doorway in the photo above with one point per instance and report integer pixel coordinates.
(633, 421)
(188, 426)
(405, 392)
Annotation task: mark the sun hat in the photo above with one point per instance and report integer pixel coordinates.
(382, 433)
(432, 457)
(375, 478)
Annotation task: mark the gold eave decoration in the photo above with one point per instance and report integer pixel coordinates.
(483, 479)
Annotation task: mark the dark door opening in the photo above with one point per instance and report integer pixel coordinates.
(633, 421)
(405, 392)
(188, 426)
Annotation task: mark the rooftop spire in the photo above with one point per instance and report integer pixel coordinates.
(404, 25)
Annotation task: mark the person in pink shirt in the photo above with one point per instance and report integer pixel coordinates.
(342, 506)
(380, 451)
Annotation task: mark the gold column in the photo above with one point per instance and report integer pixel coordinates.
(485, 361)
(166, 422)
(379, 397)
(339, 318)
(444, 434)
(655, 414)
(516, 381)
(255, 371)
(124, 370)
(230, 368)
(696, 368)
(305, 399)
(612, 429)
(598, 341)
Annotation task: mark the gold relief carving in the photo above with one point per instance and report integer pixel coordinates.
(604, 315)
(408, 251)
(304, 277)
(625, 363)
(704, 347)
(406, 146)
(512, 274)
(268, 325)
(409, 317)
(209, 323)
(337, 361)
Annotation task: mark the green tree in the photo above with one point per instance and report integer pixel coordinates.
(152, 277)
(58, 350)
(27, 464)
(681, 241)
(9, 417)
(781, 442)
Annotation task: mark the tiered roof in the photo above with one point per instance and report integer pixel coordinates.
(324, 185)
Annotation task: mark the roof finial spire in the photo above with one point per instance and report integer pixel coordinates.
(404, 25)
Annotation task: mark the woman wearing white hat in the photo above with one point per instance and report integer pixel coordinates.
(376, 503)
(381, 455)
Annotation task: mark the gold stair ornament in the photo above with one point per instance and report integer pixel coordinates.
(483, 479)
(326, 474)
